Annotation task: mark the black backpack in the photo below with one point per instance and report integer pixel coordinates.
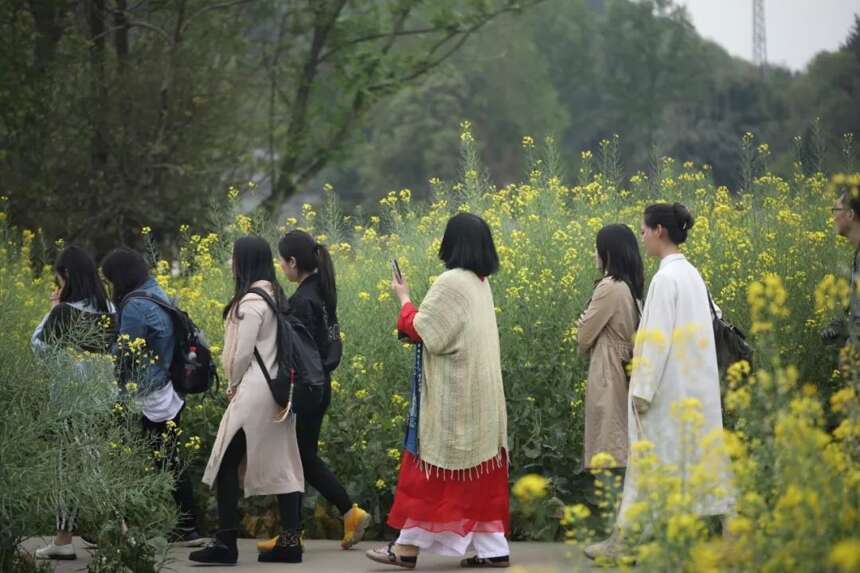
(191, 368)
(301, 379)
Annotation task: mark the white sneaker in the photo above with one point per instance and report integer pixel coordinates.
(611, 548)
(61, 552)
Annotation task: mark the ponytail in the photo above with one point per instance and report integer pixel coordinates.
(310, 257)
(325, 269)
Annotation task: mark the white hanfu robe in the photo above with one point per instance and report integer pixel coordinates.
(675, 359)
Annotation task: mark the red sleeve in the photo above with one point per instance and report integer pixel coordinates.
(405, 322)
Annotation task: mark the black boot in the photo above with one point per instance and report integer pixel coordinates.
(221, 550)
(288, 549)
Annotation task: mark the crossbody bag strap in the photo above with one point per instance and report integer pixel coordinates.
(711, 303)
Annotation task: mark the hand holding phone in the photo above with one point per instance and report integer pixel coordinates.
(396, 268)
(398, 284)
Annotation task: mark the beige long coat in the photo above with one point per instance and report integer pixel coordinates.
(272, 464)
(606, 333)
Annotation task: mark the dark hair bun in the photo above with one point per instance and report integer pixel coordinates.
(675, 218)
(683, 217)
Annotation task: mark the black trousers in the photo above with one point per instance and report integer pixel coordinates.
(183, 489)
(289, 504)
(317, 473)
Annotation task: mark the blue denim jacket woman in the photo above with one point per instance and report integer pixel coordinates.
(161, 406)
(141, 318)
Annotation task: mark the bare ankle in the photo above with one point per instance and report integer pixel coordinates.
(63, 538)
(406, 550)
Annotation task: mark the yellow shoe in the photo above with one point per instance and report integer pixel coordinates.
(269, 544)
(355, 523)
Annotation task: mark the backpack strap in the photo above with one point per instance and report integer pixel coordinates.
(265, 296)
(268, 299)
(147, 296)
(262, 366)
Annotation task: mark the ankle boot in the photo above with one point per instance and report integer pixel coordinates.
(288, 549)
(221, 550)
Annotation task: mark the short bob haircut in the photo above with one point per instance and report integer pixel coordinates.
(468, 244)
(126, 270)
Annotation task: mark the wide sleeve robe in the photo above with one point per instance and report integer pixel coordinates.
(675, 361)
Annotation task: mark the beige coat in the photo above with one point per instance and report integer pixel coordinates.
(606, 333)
(463, 420)
(272, 464)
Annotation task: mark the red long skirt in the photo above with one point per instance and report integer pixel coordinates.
(462, 502)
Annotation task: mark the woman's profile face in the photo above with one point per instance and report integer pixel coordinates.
(291, 270)
(651, 240)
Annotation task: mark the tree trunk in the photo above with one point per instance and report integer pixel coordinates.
(48, 18)
(96, 22)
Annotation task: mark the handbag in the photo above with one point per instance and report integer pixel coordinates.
(730, 341)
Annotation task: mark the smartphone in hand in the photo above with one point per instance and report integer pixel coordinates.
(396, 268)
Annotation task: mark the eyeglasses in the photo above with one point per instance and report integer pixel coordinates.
(837, 209)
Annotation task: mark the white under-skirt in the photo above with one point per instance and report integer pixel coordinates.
(451, 544)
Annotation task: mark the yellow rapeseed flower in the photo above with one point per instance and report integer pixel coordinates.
(530, 487)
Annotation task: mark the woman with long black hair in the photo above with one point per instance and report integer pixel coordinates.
(252, 429)
(82, 318)
(308, 264)
(605, 332)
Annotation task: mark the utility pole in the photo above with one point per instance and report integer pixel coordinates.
(759, 36)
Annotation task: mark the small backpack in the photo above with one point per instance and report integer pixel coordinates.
(299, 385)
(730, 341)
(192, 370)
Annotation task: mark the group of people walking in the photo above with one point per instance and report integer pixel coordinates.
(252, 450)
(452, 491)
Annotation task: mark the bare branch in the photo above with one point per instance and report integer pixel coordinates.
(217, 6)
(379, 36)
(451, 31)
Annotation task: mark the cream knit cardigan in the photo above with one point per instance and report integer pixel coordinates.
(463, 420)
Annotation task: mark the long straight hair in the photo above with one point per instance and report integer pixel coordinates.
(620, 257)
(126, 270)
(311, 257)
(252, 262)
(81, 282)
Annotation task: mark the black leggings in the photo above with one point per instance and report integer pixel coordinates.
(317, 473)
(289, 504)
(183, 490)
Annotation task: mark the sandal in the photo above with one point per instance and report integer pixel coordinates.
(481, 562)
(387, 556)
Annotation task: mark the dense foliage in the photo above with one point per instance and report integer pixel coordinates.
(108, 107)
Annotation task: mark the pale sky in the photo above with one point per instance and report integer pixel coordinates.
(796, 29)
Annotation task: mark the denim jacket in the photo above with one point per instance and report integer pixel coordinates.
(141, 318)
